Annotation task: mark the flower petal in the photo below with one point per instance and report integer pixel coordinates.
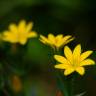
(13, 28)
(29, 27)
(32, 34)
(68, 54)
(22, 26)
(87, 62)
(59, 37)
(23, 41)
(66, 38)
(62, 66)
(43, 39)
(77, 50)
(76, 53)
(85, 55)
(10, 37)
(69, 40)
(51, 38)
(80, 70)
(61, 59)
(58, 40)
(68, 71)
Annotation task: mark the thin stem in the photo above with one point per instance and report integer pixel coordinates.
(72, 87)
(62, 85)
(14, 48)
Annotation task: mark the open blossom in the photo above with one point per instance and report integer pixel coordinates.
(73, 61)
(56, 41)
(19, 33)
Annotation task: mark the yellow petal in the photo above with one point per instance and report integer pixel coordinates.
(62, 66)
(13, 28)
(69, 40)
(7, 36)
(23, 40)
(87, 62)
(80, 70)
(51, 38)
(85, 55)
(22, 26)
(77, 52)
(66, 38)
(6, 33)
(43, 39)
(68, 71)
(61, 59)
(68, 53)
(59, 37)
(58, 40)
(32, 34)
(29, 27)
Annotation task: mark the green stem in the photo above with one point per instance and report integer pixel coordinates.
(14, 48)
(62, 85)
(72, 82)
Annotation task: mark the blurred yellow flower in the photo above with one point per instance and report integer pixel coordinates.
(56, 41)
(16, 84)
(73, 61)
(20, 33)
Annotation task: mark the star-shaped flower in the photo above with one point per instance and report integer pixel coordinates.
(19, 33)
(56, 41)
(73, 61)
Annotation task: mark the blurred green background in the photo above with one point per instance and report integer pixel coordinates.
(75, 17)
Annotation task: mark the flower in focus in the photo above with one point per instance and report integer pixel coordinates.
(74, 61)
(20, 33)
(16, 84)
(56, 41)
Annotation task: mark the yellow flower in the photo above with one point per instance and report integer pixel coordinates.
(73, 61)
(56, 41)
(16, 84)
(20, 33)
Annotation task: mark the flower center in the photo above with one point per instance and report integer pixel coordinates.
(75, 62)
